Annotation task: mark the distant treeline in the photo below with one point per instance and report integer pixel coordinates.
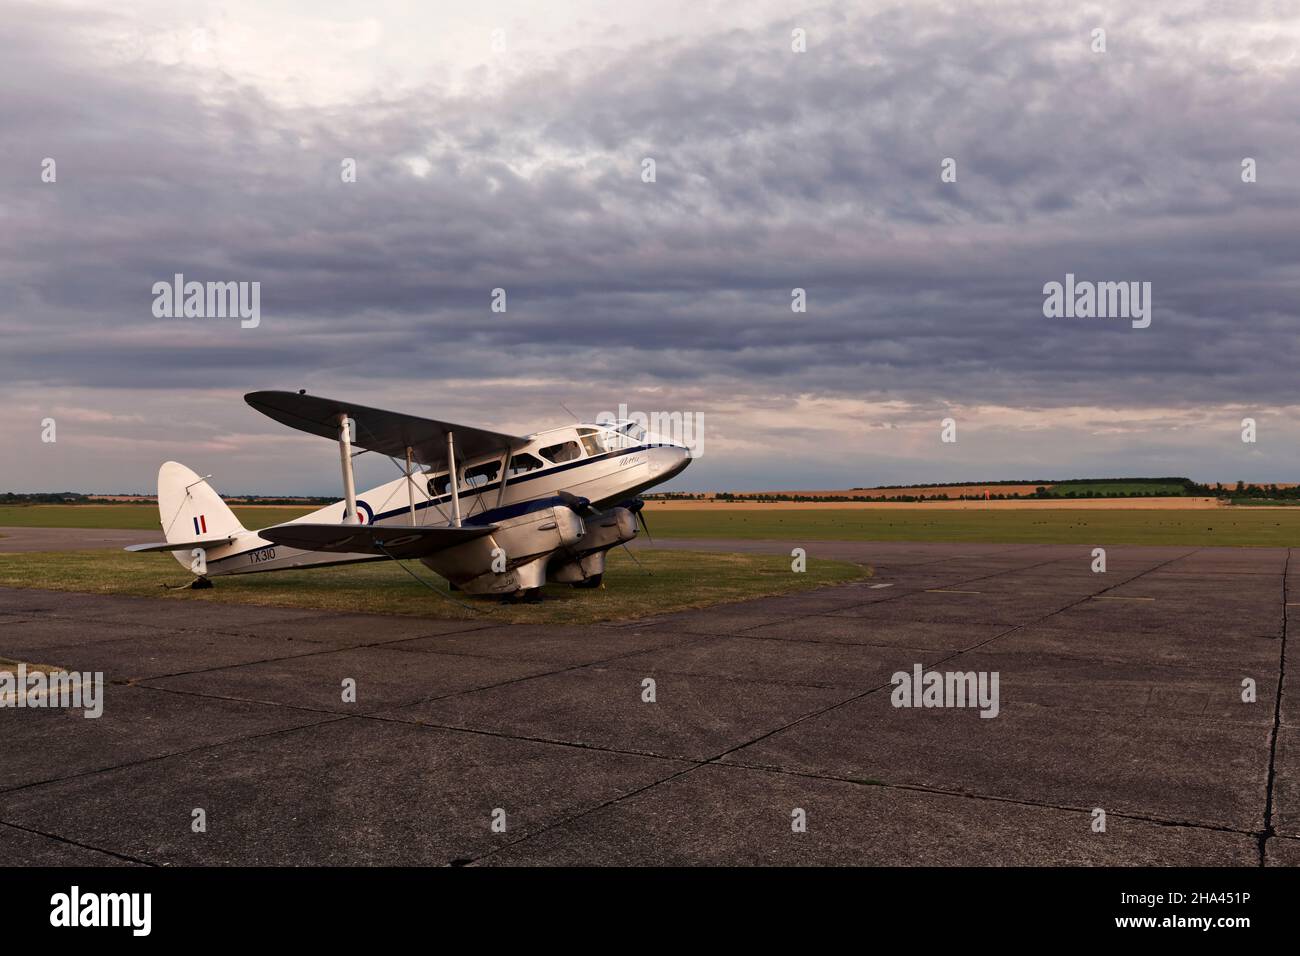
(1175, 480)
(1170, 487)
(1243, 490)
(42, 498)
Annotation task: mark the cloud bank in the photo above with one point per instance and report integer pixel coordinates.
(210, 142)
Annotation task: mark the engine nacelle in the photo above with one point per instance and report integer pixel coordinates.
(586, 558)
(520, 548)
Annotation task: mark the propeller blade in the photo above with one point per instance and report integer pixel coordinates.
(645, 526)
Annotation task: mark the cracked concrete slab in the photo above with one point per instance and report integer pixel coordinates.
(1112, 635)
(1286, 793)
(124, 653)
(852, 667)
(1187, 770)
(552, 644)
(693, 717)
(1148, 691)
(721, 816)
(965, 605)
(380, 678)
(354, 792)
(1132, 706)
(137, 724)
(832, 629)
(37, 849)
(1282, 851)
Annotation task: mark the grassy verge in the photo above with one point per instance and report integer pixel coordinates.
(131, 517)
(11, 665)
(1120, 525)
(1250, 527)
(677, 580)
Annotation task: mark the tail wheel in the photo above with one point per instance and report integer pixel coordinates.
(591, 582)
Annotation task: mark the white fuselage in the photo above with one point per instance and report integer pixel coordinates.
(602, 463)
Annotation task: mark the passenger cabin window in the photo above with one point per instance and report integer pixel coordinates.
(481, 475)
(522, 464)
(438, 485)
(564, 451)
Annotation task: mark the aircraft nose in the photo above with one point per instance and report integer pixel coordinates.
(671, 460)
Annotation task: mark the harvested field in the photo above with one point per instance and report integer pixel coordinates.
(1015, 504)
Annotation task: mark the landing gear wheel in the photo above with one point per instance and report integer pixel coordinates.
(531, 596)
(200, 584)
(591, 582)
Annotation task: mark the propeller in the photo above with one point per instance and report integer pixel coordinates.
(636, 506)
(583, 506)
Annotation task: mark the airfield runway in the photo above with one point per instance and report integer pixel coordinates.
(1120, 692)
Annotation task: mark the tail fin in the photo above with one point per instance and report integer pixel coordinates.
(189, 507)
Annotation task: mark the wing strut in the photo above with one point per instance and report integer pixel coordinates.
(505, 476)
(452, 476)
(349, 482)
(410, 486)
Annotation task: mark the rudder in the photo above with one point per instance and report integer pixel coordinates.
(190, 508)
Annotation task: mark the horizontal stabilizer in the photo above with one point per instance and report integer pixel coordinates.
(181, 545)
(390, 541)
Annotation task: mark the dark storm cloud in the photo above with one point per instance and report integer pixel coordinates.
(775, 170)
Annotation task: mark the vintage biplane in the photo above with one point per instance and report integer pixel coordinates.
(494, 514)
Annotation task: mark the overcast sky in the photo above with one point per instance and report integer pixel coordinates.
(501, 145)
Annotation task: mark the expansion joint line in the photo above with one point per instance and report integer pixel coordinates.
(1269, 829)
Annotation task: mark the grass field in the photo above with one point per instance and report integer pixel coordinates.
(677, 580)
(1220, 526)
(1127, 523)
(141, 517)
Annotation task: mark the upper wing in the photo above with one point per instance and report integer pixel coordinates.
(389, 433)
(393, 541)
